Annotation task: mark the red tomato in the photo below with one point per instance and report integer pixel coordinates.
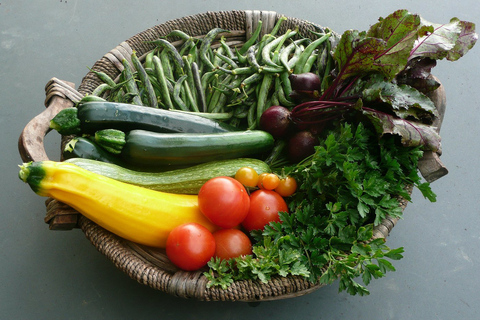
(224, 201)
(231, 243)
(190, 246)
(264, 208)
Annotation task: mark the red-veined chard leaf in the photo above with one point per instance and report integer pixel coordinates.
(412, 133)
(447, 41)
(405, 101)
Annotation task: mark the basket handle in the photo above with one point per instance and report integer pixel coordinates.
(59, 95)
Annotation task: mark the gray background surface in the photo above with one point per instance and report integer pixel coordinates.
(59, 275)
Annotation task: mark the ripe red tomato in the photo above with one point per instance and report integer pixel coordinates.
(224, 201)
(190, 246)
(264, 208)
(231, 243)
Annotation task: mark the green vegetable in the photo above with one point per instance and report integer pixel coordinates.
(346, 187)
(157, 149)
(66, 122)
(186, 180)
(108, 115)
(111, 140)
(81, 147)
(371, 66)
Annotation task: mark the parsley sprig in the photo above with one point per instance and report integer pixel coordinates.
(350, 184)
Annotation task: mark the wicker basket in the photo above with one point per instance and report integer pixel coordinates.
(151, 267)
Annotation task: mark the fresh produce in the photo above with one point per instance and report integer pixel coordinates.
(94, 116)
(187, 180)
(265, 206)
(190, 246)
(276, 121)
(154, 149)
(268, 181)
(231, 243)
(131, 212)
(287, 186)
(248, 176)
(111, 140)
(80, 147)
(224, 201)
(340, 121)
(66, 122)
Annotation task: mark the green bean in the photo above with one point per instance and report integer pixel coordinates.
(180, 34)
(177, 90)
(216, 61)
(241, 112)
(148, 60)
(198, 87)
(276, 43)
(190, 97)
(282, 98)
(142, 74)
(216, 100)
(251, 79)
(173, 52)
(104, 77)
(187, 46)
(269, 37)
(189, 73)
(240, 57)
(227, 49)
(294, 59)
(251, 116)
(101, 89)
(163, 82)
(274, 101)
(302, 59)
(252, 39)
(252, 59)
(167, 67)
(90, 98)
(210, 115)
(307, 67)
(226, 59)
(263, 94)
(131, 85)
(286, 85)
(205, 46)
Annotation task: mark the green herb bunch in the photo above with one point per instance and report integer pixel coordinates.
(350, 184)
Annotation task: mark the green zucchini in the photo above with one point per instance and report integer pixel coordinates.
(111, 140)
(185, 181)
(66, 122)
(96, 116)
(81, 147)
(146, 148)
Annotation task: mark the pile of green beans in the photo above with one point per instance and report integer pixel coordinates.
(207, 76)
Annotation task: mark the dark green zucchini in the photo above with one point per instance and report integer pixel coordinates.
(146, 148)
(80, 147)
(96, 116)
(185, 181)
(66, 122)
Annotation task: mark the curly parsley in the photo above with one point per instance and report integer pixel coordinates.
(350, 184)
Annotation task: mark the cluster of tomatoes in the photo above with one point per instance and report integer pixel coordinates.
(237, 206)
